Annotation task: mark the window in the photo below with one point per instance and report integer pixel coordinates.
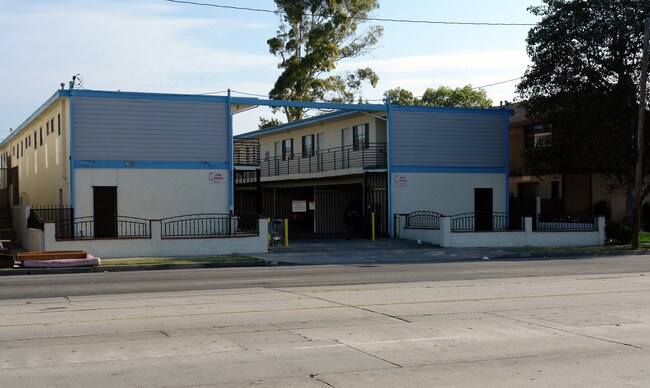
(287, 149)
(59, 120)
(47, 128)
(360, 136)
(41, 136)
(35, 141)
(307, 146)
(52, 125)
(540, 135)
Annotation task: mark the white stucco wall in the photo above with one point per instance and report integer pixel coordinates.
(445, 193)
(154, 193)
(157, 247)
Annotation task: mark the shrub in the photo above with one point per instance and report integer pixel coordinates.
(603, 208)
(617, 232)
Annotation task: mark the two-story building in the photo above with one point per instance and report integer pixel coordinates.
(330, 174)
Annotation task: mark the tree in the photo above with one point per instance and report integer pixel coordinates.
(269, 123)
(465, 97)
(586, 62)
(314, 35)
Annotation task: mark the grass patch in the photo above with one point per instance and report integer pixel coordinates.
(168, 260)
(644, 237)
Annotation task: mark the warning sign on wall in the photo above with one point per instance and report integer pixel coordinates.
(400, 180)
(216, 178)
(299, 206)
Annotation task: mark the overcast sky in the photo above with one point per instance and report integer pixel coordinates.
(159, 46)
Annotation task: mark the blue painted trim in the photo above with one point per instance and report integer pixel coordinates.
(507, 157)
(147, 96)
(294, 124)
(46, 105)
(231, 172)
(308, 104)
(432, 109)
(72, 159)
(450, 170)
(389, 169)
(137, 164)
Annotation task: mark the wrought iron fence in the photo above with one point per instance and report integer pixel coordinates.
(56, 214)
(121, 227)
(567, 221)
(209, 225)
(339, 158)
(479, 221)
(423, 220)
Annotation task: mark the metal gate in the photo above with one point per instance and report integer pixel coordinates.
(320, 211)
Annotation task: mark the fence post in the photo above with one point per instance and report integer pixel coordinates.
(528, 230)
(372, 225)
(445, 232)
(601, 230)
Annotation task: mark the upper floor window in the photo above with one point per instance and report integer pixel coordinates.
(540, 135)
(360, 136)
(287, 149)
(307, 146)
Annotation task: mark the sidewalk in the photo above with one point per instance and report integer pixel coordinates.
(346, 252)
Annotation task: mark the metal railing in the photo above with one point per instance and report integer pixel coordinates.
(208, 225)
(423, 220)
(567, 221)
(374, 155)
(120, 227)
(493, 222)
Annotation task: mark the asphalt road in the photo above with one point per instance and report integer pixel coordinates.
(39, 286)
(554, 323)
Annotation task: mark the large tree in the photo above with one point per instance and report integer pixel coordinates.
(314, 35)
(465, 97)
(585, 71)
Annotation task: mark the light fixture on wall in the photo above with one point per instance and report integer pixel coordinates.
(129, 162)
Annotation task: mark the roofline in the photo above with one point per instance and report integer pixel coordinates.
(294, 124)
(308, 104)
(45, 106)
(147, 95)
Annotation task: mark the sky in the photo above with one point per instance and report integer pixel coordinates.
(164, 47)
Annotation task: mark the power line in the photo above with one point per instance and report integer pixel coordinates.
(497, 83)
(412, 21)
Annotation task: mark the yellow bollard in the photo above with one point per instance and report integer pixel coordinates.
(372, 225)
(268, 230)
(286, 232)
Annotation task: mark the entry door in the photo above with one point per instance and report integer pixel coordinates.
(483, 209)
(346, 142)
(320, 146)
(105, 211)
(276, 160)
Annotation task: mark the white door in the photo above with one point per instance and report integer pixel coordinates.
(276, 159)
(346, 145)
(320, 146)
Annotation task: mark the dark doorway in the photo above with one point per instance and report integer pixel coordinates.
(105, 211)
(483, 209)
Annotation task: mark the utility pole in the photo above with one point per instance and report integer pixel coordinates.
(640, 143)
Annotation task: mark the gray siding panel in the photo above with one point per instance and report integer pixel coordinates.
(447, 139)
(150, 130)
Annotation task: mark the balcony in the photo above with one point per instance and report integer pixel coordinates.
(373, 156)
(246, 152)
(541, 161)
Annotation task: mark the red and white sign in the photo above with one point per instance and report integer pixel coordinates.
(400, 180)
(216, 178)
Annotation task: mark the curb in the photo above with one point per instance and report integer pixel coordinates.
(557, 255)
(130, 268)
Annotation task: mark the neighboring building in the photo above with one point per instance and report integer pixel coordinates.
(536, 173)
(329, 173)
(112, 154)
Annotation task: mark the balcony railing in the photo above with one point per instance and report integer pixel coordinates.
(373, 155)
(541, 160)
